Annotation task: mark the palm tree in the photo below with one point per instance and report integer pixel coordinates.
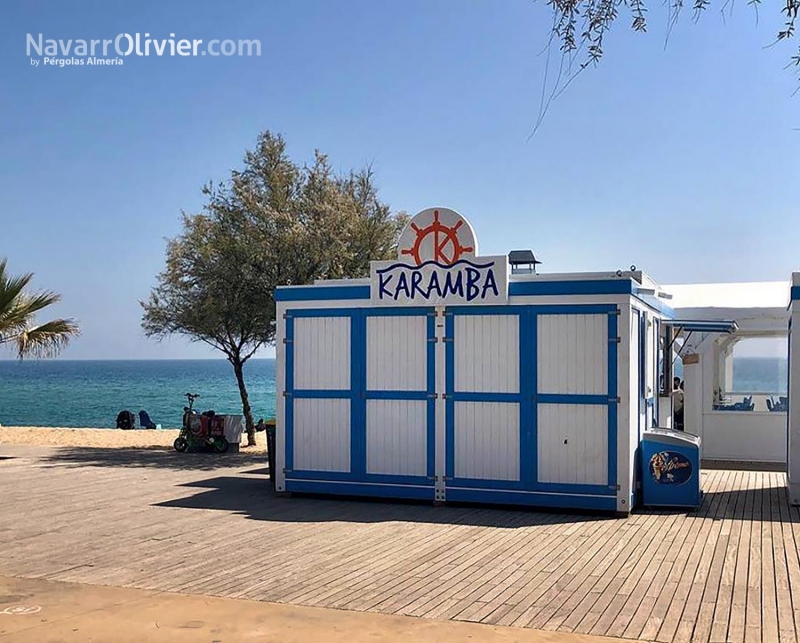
(17, 318)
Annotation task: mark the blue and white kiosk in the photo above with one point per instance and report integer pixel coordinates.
(445, 377)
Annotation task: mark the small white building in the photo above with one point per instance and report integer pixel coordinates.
(448, 377)
(794, 392)
(737, 423)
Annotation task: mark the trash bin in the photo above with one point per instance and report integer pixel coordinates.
(671, 469)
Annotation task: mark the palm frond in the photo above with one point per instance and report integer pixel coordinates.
(45, 340)
(11, 289)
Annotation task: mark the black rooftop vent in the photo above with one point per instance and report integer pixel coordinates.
(522, 261)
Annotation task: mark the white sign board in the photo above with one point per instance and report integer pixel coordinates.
(437, 264)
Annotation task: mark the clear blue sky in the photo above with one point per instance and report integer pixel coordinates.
(683, 161)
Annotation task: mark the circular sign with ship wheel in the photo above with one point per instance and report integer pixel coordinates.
(440, 235)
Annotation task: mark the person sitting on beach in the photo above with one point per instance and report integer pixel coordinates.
(144, 420)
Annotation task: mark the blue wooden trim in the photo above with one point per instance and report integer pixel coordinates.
(449, 387)
(431, 391)
(484, 483)
(289, 403)
(536, 309)
(358, 402)
(613, 375)
(795, 293)
(319, 312)
(399, 311)
(515, 289)
(604, 503)
(321, 293)
(396, 395)
(571, 398)
(657, 374)
(335, 394)
(528, 420)
(576, 287)
(486, 310)
(374, 478)
(341, 476)
(582, 489)
(655, 304)
(464, 396)
(360, 489)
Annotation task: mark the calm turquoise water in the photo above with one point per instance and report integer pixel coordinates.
(91, 393)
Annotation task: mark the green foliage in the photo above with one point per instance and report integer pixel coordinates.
(18, 310)
(272, 223)
(581, 25)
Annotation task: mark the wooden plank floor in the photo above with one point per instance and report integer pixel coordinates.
(200, 524)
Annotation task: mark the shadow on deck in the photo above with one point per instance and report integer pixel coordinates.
(151, 457)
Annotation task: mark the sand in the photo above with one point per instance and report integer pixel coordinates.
(104, 438)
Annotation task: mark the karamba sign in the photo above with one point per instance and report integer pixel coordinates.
(438, 264)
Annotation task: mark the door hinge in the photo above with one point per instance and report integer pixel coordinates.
(447, 339)
(432, 396)
(287, 340)
(616, 311)
(287, 394)
(287, 315)
(433, 339)
(615, 340)
(287, 470)
(615, 400)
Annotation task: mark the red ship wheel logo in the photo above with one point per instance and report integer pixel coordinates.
(446, 247)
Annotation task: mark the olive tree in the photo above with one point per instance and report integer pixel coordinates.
(272, 223)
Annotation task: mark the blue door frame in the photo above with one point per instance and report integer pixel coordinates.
(357, 481)
(528, 397)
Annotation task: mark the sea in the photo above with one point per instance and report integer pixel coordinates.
(91, 393)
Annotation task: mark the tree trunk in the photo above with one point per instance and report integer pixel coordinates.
(248, 413)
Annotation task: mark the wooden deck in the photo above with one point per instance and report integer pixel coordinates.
(206, 525)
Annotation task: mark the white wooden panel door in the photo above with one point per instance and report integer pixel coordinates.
(397, 437)
(486, 353)
(575, 398)
(573, 444)
(322, 435)
(322, 353)
(319, 393)
(399, 396)
(572, 354)
(487, 440)
(396, 353)
(483, 398)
